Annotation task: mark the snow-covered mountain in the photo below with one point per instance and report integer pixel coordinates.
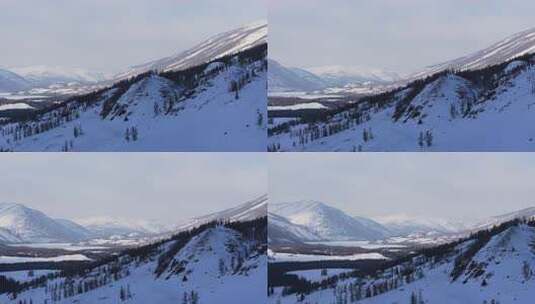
(24, 224)
(329, 223)
(282, 231)
(106, 226)
(6, 236)
(484, 110)
(224, 44)
(12, 82)
(493, 267)
(44, 76)
(403, 225)
(217, 105)
(283, 79)
(514, 46)
(475, 108)
(527, 213)
(340, 76)
(248, 211)
(212, 263)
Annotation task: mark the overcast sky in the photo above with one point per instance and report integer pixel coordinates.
(110, 35)
(399, 35)
(437, 185)
(168, 187)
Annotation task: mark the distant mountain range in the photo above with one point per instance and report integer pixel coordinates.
(15, 79)
(289, 79)
(21, 224)
(312, 221)
(222, 261)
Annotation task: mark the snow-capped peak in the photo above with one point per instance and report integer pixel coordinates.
(12, 82)
(227, 43)
(526, 213)
(509, 48)
(247, 211)
(30, 225)
(328, 222)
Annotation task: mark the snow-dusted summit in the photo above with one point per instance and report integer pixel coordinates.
(514, 46)
(328, 223)
(23, 224)
(224, 44)
(248, 211)
(12, 82)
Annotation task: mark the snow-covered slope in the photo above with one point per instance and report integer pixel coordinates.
(283, 79)
(6, 236)
(45, 76)
(193, 110)
(248, 211)
(213, 264)
(329, 223)
(527, 213)
(11, 82)
(224, 44)
(494, 267)
(519, 44)
(485, 110)
(282, 231)
(21, 223)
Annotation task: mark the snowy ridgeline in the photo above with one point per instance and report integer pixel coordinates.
(217, 106)
(211, 264)
(484, 110)
(491, 266)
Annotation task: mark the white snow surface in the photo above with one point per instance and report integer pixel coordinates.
(296, 257)
(299, 106)
(15, 106)
(59, 258)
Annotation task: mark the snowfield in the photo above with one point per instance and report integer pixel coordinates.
(294, 257)
(15, 106)
(17, 259)
(300, 106)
